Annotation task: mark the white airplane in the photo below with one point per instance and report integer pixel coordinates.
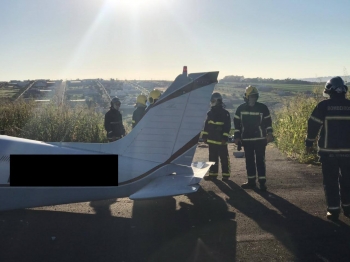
(154, 159)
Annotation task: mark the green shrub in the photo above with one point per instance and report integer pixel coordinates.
(290, 126)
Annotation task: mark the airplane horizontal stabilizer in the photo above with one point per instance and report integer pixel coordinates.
(174, 184)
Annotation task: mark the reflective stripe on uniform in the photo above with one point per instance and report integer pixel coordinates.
(213, 174)
(262, 177)
(333, 208)
(225, 134)
(267, 117)
(316, 119)
(237, 117)
(326, 134)
(338, 117)
(250, 113)
(214, 142)
(226, 174)
(346, 205)
(327, 118)
(216, 123)
(133, 121)
(251, 177)
(339, 150)
(311, 140)
(253, 139)
(204, 132)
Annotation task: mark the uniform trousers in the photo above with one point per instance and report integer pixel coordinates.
(336, 181)
(216, 152)
(255, 160)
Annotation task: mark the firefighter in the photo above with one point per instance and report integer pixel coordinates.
(114, 121)
(215, 134)
(332, 116)
(140, 109)
(154, 96)
(253, 130)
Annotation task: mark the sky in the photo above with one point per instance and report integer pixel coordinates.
(154, 39)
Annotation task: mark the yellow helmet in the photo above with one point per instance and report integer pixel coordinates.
(141, 99)
(251, 90)
(153, 96)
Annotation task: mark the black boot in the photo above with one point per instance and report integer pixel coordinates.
(263, 187)
(334, 216)
(249, 185)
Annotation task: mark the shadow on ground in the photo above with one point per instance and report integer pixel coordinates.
(307, 237)
(203, 230)
(156, 232)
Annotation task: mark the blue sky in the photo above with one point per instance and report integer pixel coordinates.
(153, 39)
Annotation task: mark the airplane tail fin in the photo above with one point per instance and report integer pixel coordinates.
(173, 124)
(169, 131)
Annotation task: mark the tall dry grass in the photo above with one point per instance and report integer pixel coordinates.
(290, 126)
(52, 123)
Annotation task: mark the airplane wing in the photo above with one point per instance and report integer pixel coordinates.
(175, 183)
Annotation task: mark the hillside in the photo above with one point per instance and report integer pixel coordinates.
(272, 95)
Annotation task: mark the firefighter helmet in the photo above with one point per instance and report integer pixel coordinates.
(141, 100)
(250, 91)
(115, 101)
(216, 99)
(153, 96)
(335, 85)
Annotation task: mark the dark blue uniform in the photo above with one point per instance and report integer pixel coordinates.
(252, 123)
(216, 130)
(332, 116)
(137, 115)
(114, 124)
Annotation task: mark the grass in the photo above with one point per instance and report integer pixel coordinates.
(7, 92)
(52, 123)
(290, 126)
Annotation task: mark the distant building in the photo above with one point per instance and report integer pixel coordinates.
(88, 81)
(18, 83)
(74, 83)
(118, 93)
(90, 92)
(40, 84)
